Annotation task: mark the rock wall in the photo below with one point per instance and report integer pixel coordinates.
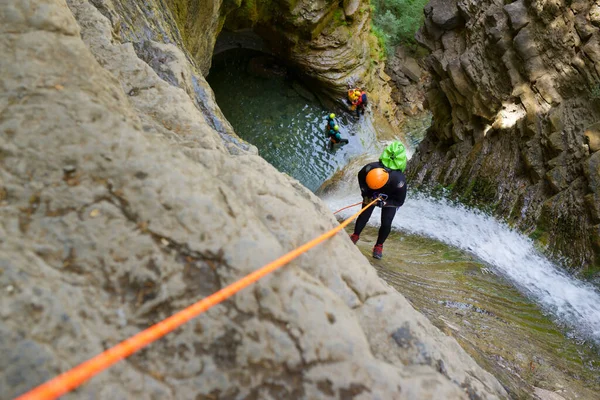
(409, 81)
(327, 42)
(121, 203)
(515, 101)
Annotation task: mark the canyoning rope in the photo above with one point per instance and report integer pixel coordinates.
(75, 377)
(353, 205)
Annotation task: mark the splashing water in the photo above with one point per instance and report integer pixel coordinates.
(574, 304)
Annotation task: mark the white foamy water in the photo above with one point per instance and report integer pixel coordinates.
(573, 303)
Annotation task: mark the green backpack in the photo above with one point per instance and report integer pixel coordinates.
(394, 156)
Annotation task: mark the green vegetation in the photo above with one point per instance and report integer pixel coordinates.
(395, 22)
(377, 42)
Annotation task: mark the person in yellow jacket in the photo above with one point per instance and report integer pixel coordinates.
(358, 100)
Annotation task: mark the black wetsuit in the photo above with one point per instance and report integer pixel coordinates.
(395, 189)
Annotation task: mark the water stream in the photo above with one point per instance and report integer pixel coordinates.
(513, 310)
(507, 333)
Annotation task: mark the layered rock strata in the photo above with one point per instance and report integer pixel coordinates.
(409, 82)
(121, 202)
(515, 101)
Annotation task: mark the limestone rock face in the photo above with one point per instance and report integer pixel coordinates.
(199, 22)
(327, 41)
(408, 81)
(122, 202)
(515, 98)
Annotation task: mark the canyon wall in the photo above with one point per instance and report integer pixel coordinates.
(516, 104)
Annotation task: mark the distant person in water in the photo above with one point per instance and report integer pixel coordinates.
(383, 178)
(358, 101)
(333, 132)
(330, 122)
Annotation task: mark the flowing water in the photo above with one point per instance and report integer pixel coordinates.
(506, 333)
(515, 312)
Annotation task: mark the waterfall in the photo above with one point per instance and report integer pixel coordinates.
(572, 303)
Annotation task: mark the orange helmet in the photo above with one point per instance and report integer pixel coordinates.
(377, 178)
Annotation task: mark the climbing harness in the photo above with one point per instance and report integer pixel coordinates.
(75, 377)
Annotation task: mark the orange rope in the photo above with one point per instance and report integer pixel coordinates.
(75, 377)
(353, 205)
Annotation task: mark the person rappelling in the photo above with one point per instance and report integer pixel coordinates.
(357, 99)
(383, 179)
(333, 132)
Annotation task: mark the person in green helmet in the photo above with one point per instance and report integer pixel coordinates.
(335, 137)
(384, 178)
(330, 122)
(333, 133)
